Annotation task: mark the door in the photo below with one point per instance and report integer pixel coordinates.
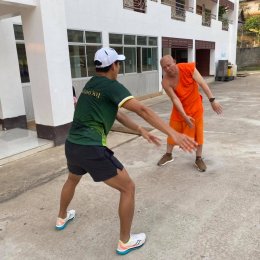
(202, 61)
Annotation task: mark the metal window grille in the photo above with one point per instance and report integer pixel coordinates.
(135, 5)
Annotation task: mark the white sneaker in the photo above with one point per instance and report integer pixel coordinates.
(135, 242)
(61, 223)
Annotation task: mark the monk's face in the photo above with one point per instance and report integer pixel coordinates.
(168, 65)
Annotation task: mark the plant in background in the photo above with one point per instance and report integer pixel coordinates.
(252, 24)
(222, 12)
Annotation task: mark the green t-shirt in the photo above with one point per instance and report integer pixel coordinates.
(96, 110)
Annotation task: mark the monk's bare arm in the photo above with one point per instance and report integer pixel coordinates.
(203, 84)
(175, 100)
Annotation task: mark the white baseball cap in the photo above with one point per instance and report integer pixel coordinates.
(106, 56)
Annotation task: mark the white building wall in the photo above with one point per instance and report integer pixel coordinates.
(11, 96)
(110, 17)
(45, 36)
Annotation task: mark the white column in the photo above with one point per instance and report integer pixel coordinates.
(194, 6)
(233, 34)
(45, 35)
(192, 53)
(12, 110)
(160, 54)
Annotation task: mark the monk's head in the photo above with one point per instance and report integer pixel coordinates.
(168, 65)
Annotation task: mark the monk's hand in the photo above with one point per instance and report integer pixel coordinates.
(190, 121)
(186, 143)
(217, 107)
(149, 136)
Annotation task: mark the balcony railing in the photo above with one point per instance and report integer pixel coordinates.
(178, 10)
(189, 9)
(178, 13)
(168, 2)
(206, 19)
(213, 16)
(135, 5)
(173, 3)
(225, 24)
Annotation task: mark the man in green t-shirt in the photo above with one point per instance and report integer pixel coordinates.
(86, 151)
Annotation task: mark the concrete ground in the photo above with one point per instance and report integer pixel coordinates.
(185, 214)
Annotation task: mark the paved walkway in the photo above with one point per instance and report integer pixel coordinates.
(185, 214)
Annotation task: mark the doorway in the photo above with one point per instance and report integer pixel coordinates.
(202, 61)
(180, 55)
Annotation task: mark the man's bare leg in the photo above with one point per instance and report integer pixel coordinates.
(123, 183)
(199, 150)
(67, 193)
(169, 148)
(199, 163)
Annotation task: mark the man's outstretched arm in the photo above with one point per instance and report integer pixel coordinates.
(203, 84)
(125, 120)
(185, 142)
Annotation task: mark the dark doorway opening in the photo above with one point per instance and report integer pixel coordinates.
(202, 61)
(180, 55)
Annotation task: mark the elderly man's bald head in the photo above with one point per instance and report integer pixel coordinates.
(169, 66)
(167, 58)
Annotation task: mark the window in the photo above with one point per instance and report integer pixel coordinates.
(140, 51)
(75, 36)
(93, 37)
(18, 32)
(91, 50)
(21, 53)
(23, 66)
(115, 38)
(130, 62)
(152, 41)
(119, 50)
(129, 39)
(141, 40)
(77, 61)
(82, 48)
(149, 59)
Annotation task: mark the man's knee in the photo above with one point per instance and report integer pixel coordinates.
(128, 187)
(73, 179)
(131, 186)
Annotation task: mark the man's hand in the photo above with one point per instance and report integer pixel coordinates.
(216, 107)
(189, 121)
(149, 137)
(186, 143)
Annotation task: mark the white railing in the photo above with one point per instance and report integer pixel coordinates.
(135, 5)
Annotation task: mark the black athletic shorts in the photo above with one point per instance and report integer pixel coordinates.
(98, 161)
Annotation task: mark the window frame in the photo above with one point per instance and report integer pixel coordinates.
(21, 42)
(138, 51)
(86, 44)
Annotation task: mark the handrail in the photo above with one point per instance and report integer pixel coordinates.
(136, 5)
(178, 13)
(206, 19)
